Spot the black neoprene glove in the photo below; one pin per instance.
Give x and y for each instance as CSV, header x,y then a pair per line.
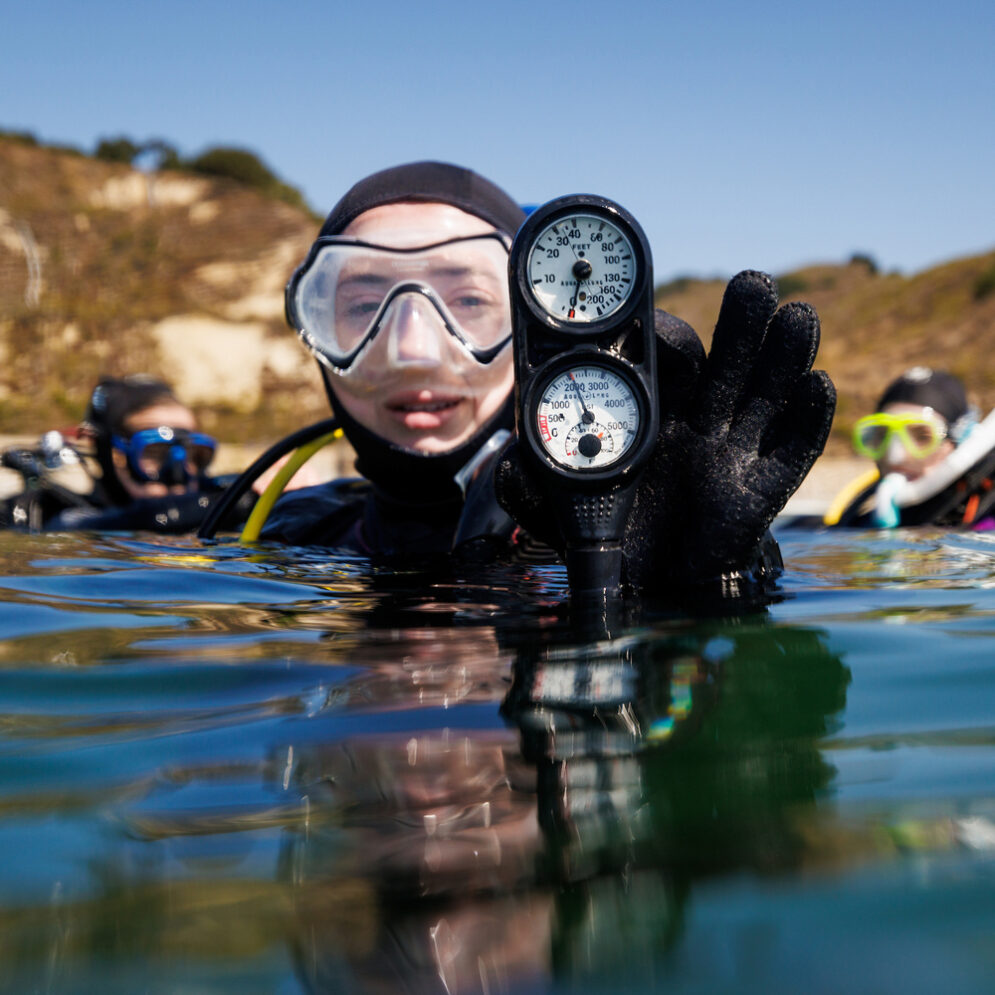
x,y
739,430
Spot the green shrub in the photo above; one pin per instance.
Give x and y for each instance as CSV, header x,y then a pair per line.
x,y
120,149
244,167
158,154
866,260
235,164
23,137
984,284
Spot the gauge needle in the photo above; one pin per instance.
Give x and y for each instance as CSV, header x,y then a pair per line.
x,y
587,417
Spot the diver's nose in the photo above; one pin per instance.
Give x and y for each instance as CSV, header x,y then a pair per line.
x,y
415,332
896,453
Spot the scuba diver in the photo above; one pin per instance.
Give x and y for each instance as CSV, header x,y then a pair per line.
x,y
934,461
151,461
403,299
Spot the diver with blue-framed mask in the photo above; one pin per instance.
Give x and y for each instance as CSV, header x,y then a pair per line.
x,y
141,464
403,299
934,460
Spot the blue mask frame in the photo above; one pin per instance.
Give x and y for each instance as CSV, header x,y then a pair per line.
x,y
179,449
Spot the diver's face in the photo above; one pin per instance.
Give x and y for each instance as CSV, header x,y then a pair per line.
x,y
168,413
897,458
427,406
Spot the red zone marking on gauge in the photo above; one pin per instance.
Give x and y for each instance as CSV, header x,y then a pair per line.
x,y
544,428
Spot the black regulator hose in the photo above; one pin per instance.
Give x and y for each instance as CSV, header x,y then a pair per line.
x,y
224,505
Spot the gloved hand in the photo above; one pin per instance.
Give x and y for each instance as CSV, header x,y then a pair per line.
x,y
739,430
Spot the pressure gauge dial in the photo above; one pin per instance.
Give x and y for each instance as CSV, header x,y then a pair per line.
x,y
581,268
587,417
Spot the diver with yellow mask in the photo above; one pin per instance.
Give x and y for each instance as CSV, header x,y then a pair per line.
x,y
934,460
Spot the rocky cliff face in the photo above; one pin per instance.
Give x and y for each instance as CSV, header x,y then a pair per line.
x,y
104,269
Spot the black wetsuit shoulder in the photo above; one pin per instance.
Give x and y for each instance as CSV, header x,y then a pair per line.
x,y
327,514
354,516
174,514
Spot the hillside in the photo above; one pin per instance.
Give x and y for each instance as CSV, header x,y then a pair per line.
x,y
104,269
876,325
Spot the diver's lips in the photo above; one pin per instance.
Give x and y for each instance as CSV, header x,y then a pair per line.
x,y
423,410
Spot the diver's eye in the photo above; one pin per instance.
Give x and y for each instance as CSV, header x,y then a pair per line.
x,y
362,308
469,301
922,434
359,313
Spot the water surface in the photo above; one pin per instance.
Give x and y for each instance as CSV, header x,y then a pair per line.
x,y
227,769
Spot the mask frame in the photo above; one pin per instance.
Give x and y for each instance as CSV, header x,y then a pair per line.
x,y
899,426
344,362
179,443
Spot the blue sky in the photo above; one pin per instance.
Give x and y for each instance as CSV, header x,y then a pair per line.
x,y
741,135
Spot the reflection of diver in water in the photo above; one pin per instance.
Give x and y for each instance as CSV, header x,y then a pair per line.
x,y
643,763
934,461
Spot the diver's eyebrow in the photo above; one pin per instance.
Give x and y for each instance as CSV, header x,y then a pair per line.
x,y
460,271
363,278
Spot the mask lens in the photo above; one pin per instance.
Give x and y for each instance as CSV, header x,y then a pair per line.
x,y
342,294
919,437
155,454
924,438
870,439
200,454
151,458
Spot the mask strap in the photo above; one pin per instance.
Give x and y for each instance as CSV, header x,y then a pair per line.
x,y
964,425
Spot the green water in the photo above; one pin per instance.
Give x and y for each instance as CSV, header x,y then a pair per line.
x,y
231,770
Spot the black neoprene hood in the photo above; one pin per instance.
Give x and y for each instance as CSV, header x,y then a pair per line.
x,y
935,389
114,399
427,182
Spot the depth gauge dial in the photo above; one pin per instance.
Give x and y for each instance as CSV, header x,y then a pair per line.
x,y
581,268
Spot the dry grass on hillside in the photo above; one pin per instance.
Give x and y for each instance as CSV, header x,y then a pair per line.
x,y
116,253
876,325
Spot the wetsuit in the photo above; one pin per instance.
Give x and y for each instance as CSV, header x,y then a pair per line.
x,y
358,516
355,516
44,506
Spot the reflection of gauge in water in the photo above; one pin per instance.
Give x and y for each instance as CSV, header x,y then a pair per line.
x,y
587,417
581,268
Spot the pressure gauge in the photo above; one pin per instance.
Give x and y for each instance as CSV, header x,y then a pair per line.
x,y
587,416
581,268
